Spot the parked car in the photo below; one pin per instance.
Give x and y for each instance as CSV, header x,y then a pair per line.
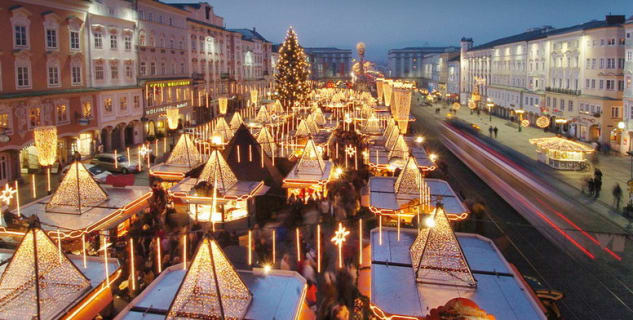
x,y
122,165
98,173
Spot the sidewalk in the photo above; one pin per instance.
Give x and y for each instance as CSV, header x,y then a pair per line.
x,y
615,168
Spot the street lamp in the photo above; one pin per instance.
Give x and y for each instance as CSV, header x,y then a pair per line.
x,y
520,113
172,122
490,105
559,123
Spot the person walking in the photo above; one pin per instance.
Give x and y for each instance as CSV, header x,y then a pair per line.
x,y
597,186
617,195
490,130
495,131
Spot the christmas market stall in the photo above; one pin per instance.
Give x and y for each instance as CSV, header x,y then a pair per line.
x,y
310,175
410,196
80,205
38,281
216,196
419,274
184,158
389,153
211,288
560,153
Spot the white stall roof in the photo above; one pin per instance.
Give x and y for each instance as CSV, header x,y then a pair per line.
x,y
276,295
499,290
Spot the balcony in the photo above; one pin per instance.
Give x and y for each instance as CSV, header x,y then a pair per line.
x,y
564,91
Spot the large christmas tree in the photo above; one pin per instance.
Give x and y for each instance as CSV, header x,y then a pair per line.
x,y
292,74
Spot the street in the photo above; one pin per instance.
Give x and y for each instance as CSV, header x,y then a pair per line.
x,y
526,247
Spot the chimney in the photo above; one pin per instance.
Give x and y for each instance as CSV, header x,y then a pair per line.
x,y
254,30
615,19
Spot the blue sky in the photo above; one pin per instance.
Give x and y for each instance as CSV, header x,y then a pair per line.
x,y
388,24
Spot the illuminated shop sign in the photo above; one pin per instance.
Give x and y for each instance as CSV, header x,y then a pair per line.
x,y
174,83
164,108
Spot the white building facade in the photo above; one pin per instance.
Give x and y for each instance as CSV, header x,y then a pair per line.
x,y
573,74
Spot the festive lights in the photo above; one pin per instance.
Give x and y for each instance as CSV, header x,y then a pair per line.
x,y
172,118
77,191
222,105
46,144
184,153
338,239
291,79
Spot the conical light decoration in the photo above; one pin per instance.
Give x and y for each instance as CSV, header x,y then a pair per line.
x,y
46,145
216,167
38,283
223,103
400,149
437,257
185,153
211,289
223,129
77,191
172,118
302,129
262,115
392,137
292,84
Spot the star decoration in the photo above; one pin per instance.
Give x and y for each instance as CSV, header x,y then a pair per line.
x,y
350,150
340,235
7,194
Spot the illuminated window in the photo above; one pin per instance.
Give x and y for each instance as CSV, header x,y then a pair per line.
x,y
137,102
86,109
61,112
4,121
107,105
123,103
34,117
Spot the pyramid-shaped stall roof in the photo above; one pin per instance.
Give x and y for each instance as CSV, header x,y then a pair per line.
x,y
310,161
262,115
250,167
216,167
223,129
392,137
39,282
303,130
236,121
77,192
400,149
185,153
410,179
267,142
437,257
211,289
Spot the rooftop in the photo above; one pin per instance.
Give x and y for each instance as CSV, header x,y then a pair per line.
x,y
500,290
250,34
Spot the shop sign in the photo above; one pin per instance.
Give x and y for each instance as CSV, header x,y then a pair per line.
x,y
164,108
172,83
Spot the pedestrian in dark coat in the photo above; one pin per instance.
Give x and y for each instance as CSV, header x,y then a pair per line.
x,y
495,131
490,130
617,195
597,187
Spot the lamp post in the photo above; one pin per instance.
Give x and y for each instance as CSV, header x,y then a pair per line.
x,y
490,105
520,113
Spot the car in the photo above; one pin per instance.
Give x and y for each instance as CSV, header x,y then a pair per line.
x,y
98,173
122,164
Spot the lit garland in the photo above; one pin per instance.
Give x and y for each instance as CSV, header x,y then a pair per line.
x,y
262,115
310,160
222,129
265,139
293,70
211,289
437,257
46,145
400,149
542,122
36,283
254,96
77,191
185,153
409,180
223,104
236,121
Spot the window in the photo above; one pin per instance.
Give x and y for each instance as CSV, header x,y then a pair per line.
x,y
193,44
61,112
128,71
128,42
113,41
34,117
593,83
620,85
53,76
615,112
114,71
601,84
98,40
182,68
86,110
99,72
152,68
163,69
141,70
588,64
570,106
620,63
610,85
137,102
74,40
123,103
628,82
23,76
75,74
107,105
593,63
601,63
51,39
20,36
629,55
562,105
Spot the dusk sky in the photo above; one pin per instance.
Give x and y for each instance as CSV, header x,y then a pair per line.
x,y
388,24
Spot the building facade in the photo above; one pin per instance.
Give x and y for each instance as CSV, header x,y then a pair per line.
x,y
112,38
44,81
627,137
421,64
329,63
573,75
452,82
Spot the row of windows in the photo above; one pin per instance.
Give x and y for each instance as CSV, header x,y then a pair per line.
x,y
604,84
100,70
605,63
53,75
143,71
51,41
108,104
114,41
